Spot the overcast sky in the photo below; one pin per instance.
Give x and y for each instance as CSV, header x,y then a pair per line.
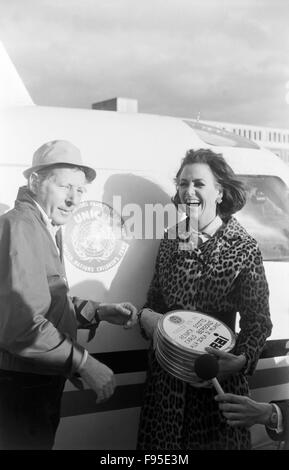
x,y
228,59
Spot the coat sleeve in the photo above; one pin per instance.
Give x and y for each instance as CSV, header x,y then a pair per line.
x,y
86,315
282,436
155,299
24,301
253,305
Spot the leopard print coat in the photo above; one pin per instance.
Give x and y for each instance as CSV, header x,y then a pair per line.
x,y
225,275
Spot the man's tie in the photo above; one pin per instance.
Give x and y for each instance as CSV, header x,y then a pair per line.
x,y
58,239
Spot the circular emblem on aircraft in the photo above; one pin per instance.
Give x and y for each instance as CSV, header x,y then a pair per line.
x,y
92,237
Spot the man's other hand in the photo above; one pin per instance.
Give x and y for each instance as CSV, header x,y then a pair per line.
x,y
99,378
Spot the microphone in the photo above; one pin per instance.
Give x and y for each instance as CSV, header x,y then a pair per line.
x,y
206,368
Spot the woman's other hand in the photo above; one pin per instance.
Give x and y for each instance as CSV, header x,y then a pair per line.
x,y
228,363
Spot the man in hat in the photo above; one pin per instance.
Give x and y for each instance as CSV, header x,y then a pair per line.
x,y
38,319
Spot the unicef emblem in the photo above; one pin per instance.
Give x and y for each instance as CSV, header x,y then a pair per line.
x,y
92,238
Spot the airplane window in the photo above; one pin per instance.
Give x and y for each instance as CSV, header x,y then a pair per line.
x,y
266,215
219,137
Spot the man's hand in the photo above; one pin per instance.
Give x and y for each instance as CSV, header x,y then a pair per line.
x,y
123,313
228,363
242,411
99,377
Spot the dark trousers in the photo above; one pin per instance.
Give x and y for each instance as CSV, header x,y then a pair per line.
x,y
29,410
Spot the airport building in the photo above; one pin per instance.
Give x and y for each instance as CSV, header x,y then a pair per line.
x,y
275,139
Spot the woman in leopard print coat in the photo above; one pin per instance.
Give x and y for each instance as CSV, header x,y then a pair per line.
x,y
221,276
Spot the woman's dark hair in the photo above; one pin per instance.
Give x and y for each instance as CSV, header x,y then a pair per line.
x,y
234,195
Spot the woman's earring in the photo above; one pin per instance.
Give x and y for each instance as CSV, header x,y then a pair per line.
x,y
219,199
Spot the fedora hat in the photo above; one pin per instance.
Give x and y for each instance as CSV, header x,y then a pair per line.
x,y
59,152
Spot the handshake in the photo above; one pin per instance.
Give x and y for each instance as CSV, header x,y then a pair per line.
x,y
118,314
97,375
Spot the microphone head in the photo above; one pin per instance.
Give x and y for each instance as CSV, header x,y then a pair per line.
x,y
206,366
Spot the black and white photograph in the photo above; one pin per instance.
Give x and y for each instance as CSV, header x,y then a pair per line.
x,y
144,227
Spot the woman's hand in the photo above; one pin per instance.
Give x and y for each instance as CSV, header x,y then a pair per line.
x,y
228,363
149,320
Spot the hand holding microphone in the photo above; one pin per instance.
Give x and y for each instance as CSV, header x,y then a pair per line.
x,y
207,368
228,363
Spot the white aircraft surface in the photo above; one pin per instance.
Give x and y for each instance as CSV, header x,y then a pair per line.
x,y
136,157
